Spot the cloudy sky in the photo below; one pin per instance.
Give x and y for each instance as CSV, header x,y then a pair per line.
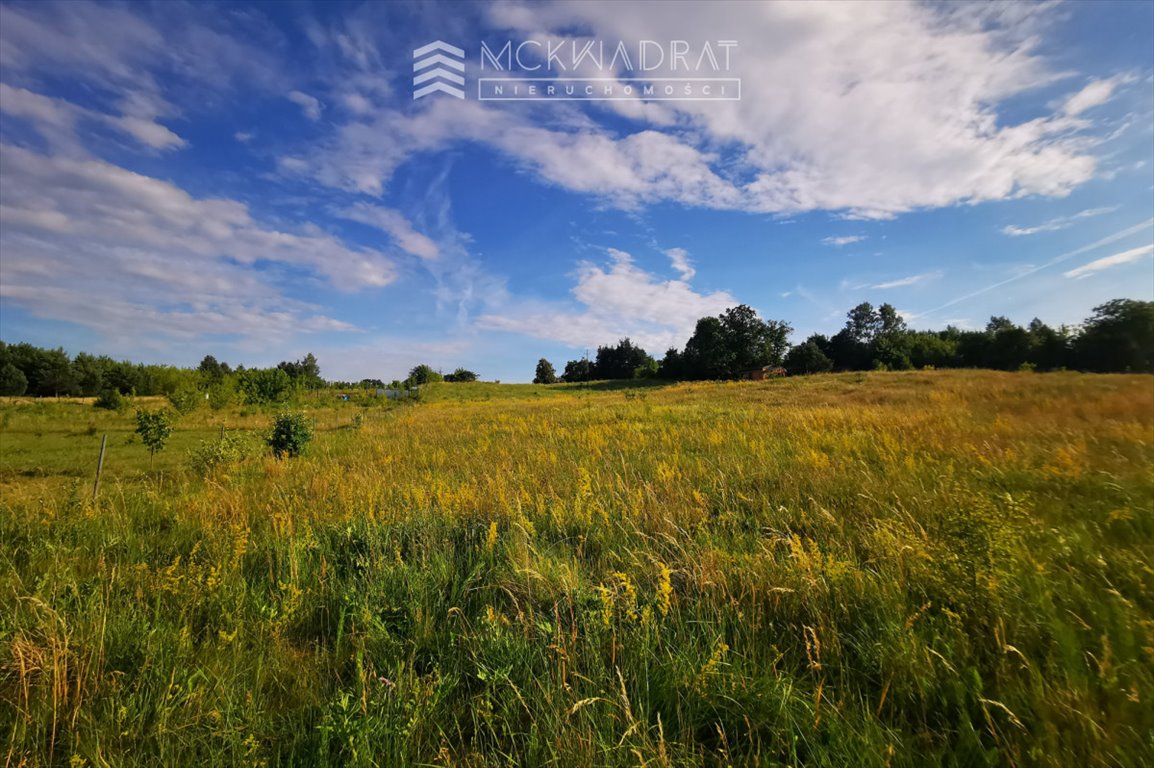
x,y
257,181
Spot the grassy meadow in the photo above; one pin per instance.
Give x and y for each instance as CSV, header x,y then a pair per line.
x,y
887,569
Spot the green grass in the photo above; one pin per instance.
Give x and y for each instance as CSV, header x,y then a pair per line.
x,y
486,390
946,568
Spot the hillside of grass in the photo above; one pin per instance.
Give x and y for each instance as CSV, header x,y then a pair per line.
x,y
879,569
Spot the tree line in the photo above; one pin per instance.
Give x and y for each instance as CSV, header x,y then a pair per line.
x,y
31,370
26,369
1117,337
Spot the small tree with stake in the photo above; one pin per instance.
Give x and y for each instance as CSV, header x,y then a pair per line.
x,y
154,428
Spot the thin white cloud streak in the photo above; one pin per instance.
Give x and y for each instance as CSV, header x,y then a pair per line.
x,y
1061,222
845,240
308,104
1057,260
679,259
905,281
1125,257
1095,94
56,119
395,225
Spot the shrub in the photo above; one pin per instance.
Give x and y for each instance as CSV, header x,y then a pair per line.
x,y
12,380
647,370
111,400
290,433
270,385
461,376
424,374
186,399
807,357
222,394
210,455
154,428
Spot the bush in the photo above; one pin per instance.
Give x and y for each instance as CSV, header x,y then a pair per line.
x,y
222,394
215,453
290,433
647,370
271,385
186,400
154,428
461,376
424,374
12,380
111,400
807,357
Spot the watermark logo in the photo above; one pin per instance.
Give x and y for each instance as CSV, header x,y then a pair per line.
x,y
438,67
583,70
608,70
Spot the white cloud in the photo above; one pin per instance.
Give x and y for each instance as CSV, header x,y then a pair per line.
x,y
679,258
148,132
91,242
1023,273
616,301
1096,93
141,58
642,168
908,114
1061,222
56,119
244,137
308,104
396,225
845,240
1125,257
905,281
357,103
905,116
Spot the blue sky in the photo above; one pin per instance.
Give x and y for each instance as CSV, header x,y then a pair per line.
x,y
256,181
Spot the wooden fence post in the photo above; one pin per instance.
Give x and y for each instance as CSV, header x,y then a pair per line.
x,y
99,466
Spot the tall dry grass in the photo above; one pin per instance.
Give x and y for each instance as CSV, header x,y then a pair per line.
x,y
870,569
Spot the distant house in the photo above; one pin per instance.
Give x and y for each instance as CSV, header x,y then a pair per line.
x,y
764,372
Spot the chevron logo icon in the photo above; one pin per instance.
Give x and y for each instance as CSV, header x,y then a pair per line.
x,y
438,67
